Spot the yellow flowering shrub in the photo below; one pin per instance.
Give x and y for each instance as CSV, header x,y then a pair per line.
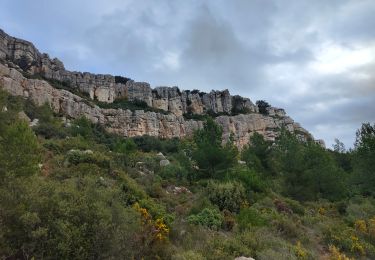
x,y
299,251
336,255
360,225
351,240
161,230
357,247
153,230
371,227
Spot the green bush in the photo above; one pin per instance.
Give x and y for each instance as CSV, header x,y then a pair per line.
x,y
75,157
93,133
250,179
49,131
66,221
210,218
287,227
131,192
52,146
256,153
125,146
188,255
295,206
263,106
248,218
170,171
229,195
224,247
359,208
150,143
19,151
124,103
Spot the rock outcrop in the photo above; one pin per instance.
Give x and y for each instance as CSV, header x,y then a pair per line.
x,y
21,62
106,88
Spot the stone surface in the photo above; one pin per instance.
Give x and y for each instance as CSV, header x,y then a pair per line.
x,y
321,143
104,88
35,122
238,116
161,156
138,123
164,163
177,190
23,116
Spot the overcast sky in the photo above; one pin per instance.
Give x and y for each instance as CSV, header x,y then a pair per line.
x,y
315,58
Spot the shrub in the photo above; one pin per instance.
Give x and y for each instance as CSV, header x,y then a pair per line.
x,y
125,146
130,191
224,247
50,217
230,195
19,151
172,171
249,217
336,255
360,208
76,157
125,104
249,178
120,79
148,143
199,117
24,62
51,145
295,206
188,255
210,218
156,210
262,105
49,131
288,227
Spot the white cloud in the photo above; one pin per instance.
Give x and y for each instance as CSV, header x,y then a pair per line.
x,y
169,61
332,58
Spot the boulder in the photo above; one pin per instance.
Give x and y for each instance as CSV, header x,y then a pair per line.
x,y
177,190
164,163
161,156
23,116
35,122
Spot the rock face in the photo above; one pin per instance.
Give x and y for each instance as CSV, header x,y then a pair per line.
x,y
106,88
123,122
238,116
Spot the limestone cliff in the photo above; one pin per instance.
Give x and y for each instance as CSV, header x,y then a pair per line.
x,y
20,61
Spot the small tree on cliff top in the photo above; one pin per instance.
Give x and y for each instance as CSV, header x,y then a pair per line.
x,y
263,105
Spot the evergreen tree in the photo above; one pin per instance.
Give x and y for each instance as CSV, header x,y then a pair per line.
x,y
364,155
19,151
213,158
256,153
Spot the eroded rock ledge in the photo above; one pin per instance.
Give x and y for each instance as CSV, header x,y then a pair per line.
x,y
19,57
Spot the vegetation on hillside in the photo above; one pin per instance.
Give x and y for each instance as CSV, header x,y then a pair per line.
x,y
74,191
